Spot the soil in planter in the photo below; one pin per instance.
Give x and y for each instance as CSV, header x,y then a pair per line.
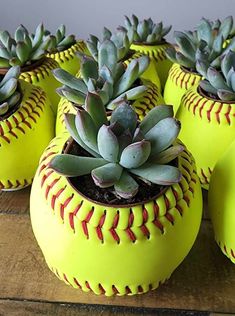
x,y
86,186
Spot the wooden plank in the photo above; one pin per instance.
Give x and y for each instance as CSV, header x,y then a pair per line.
x,y
24,308
205,280
15,202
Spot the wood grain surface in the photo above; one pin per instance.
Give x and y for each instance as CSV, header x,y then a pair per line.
x,y
205,281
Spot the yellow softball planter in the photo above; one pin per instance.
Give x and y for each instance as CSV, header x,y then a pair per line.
x,y
26,128
125,242
63,50
221,201
207,114
179,81
28,51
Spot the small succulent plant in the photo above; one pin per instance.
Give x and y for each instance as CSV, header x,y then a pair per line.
x,y
9,94
119,38
206,42
59,41
110,79
23,48
145,31
122,149
219,83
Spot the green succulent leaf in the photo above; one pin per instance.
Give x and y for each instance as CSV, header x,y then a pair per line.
x,y
22,52
69,80
184,61
226,95
107,55
14,99
94,106
206,86
89,69
4,107
71,127
154,116
216,79
8,89
13,72
72,95
109,148
87,129
125,115
135,154
74,166
126,187
186,47
158,174
107,175
228,61
163,134
226,27
204,31
168,155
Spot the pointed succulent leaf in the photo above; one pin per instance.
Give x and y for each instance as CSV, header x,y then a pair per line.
x,y
69,80
22,52
96,109
14,99
206,86
135,20
71,127
4,62
14,61
159,174
107,55
4,107
202,67
8,89
154,116
38,54
74,166
226,95
119,71
13,72
232,80
87,129
107,175
108,144
166,30
130,95
127,22
72,95
126,187
20,33
106,33
138,135
68,41
106,74
108,88
185,45
89,69
91,85
4,53
127,79
163,134
226,27
4,37
204,31
184,61
135,154
37,39
227,62
171,54
92,47
124,140
218,44
216,79
168,155
142,29
125,115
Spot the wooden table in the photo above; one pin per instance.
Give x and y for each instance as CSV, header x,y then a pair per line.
x,y
204,282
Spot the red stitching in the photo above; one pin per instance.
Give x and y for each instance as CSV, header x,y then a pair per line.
x,y
227,114
217,114
72,215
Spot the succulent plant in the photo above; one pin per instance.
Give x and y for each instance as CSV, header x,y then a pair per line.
x,y
110,79
23,48
205,43
9,94
145,31
219,83
59,41
122,150
119,38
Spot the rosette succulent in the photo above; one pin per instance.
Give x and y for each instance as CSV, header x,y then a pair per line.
x,y
120,39
121,152
145,31
219,83
9,91
23,48
60,41
205,42
107,77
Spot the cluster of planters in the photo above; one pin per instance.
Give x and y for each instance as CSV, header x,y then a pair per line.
x,y
116,199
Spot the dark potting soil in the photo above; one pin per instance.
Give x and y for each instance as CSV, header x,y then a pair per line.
x,y
86,186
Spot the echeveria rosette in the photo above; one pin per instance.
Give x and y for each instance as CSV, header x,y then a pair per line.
x,y
9,92
219,82
23,48
119,38
122,150
205,43
146,31
59,41
110,79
